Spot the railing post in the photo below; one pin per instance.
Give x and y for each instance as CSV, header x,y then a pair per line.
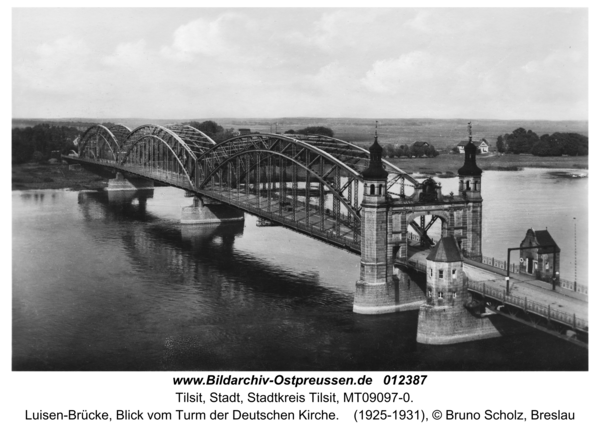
x,y
525,304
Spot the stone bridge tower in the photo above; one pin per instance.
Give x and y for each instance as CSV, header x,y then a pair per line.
x,y
469,186
375,290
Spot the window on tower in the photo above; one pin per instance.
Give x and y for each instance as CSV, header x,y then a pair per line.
x,y
372,189
441,273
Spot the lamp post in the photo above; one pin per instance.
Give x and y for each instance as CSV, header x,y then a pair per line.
x,y
575,237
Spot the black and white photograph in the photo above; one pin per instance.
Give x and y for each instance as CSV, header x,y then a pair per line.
x,y
263,189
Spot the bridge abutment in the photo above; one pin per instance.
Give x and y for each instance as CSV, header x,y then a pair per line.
x,y
444,319
208,211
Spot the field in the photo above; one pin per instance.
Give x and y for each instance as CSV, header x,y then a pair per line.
x,y
32,176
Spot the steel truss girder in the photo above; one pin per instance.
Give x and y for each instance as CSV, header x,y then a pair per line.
x,y
104,132
141,142
338,196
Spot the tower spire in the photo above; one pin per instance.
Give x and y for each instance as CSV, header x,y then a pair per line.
x,y
375,170
470,167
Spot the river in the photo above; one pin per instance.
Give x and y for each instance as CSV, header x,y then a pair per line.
x,y
115,285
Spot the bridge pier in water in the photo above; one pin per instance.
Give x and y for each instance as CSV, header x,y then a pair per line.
x,y
125,190
208,211
123,183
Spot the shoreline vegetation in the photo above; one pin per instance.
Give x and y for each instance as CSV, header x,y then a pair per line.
x,y
36,176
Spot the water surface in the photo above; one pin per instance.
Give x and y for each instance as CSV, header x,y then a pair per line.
x,y
103,284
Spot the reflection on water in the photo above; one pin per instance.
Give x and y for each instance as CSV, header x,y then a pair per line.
x,y
118,284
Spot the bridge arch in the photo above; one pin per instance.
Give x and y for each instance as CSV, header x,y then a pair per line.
x,y
156,157
323,166
185,145
100,143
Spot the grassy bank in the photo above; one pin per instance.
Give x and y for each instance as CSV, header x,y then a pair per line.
x,y
452,162
30,176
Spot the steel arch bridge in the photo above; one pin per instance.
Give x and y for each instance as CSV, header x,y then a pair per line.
x,y
312,184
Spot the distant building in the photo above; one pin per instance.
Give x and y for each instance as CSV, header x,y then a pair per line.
x,y
245,131
482,145
542,262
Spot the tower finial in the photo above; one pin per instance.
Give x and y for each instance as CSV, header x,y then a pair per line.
x,y
470,134
376,122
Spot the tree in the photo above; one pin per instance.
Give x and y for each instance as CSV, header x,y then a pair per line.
x,y
521,141
573,144
210,128
401,151
388,151
316,130
500,146
430,151
547,146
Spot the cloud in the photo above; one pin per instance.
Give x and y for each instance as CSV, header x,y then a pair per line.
x,y
229,38
402,73
54,67
130,53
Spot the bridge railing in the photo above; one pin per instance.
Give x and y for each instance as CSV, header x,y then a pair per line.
x,y
515,269
528,306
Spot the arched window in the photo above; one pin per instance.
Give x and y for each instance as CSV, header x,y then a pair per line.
x,y
475,185
468,186
372,189
380,189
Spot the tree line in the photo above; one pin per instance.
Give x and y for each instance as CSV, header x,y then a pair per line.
x,y
417,149
312,130
41,142
557,144
213,130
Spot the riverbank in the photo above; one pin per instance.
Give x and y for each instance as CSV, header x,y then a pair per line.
x,y
452,162
30,176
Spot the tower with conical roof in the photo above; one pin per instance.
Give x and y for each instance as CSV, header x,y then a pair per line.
x,y
469,187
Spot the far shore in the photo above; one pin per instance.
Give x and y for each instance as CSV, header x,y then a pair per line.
x,y
446,163
35,176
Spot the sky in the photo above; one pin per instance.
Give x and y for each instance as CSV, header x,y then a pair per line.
x,y
496,63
